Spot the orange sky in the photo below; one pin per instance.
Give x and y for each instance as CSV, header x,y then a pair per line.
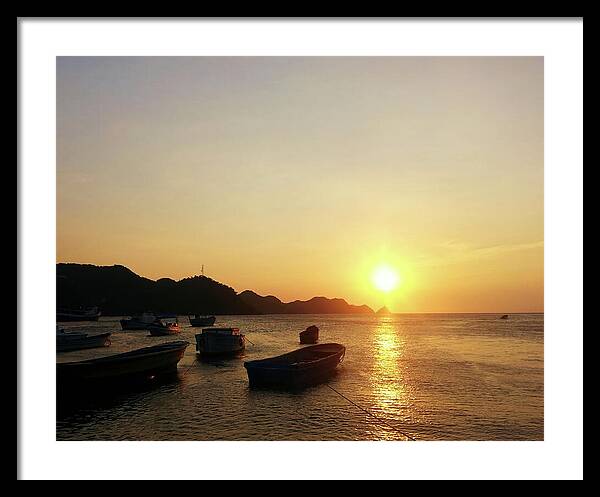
x,y
299,176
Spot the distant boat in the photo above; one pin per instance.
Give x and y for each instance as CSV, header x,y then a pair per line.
x,y
89,314
504,316
198,320
220,342
298,369
309,335
68,341
142,363
139,322
164,326
166,315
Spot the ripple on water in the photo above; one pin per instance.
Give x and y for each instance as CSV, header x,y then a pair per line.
x,y
436,377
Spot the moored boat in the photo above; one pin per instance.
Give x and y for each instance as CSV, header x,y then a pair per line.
x,y
144,363
138,322
198,320
298,369
166,315
164,326
309,335
88,314
68,341
220,342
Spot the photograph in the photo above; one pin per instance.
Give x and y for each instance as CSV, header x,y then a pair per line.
x,y
300,248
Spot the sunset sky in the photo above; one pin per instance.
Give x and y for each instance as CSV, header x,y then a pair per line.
x,y
299,177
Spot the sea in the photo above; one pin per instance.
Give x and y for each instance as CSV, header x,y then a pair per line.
x,y
404,377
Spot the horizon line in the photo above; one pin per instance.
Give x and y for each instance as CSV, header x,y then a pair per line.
x,y
315,296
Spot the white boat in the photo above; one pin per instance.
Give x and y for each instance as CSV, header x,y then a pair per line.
x,y
220,342
139,322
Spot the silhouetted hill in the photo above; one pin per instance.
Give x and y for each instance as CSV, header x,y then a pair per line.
x,y
322,305
383,311
263,305
119,291
316,305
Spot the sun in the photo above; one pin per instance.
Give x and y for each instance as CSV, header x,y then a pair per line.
x,y
385,278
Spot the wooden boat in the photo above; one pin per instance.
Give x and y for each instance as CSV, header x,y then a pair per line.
x,y
220,342
144,363
89,314
298,369
198,321
310,335
138,322
78,341
162,327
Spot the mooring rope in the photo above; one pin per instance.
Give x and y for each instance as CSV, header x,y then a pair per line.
x,y
410,437
371,414
190,366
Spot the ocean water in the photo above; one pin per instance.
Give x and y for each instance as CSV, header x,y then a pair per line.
x,y
420,376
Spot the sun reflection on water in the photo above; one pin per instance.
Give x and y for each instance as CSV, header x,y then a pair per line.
x,y
388,376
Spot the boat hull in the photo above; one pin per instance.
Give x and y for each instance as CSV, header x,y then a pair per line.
x,y
309,338
138,364
219,345
205,321
66,343
133,324
158,331
292,371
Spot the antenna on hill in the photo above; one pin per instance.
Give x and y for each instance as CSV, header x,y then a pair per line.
x,y
202,270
